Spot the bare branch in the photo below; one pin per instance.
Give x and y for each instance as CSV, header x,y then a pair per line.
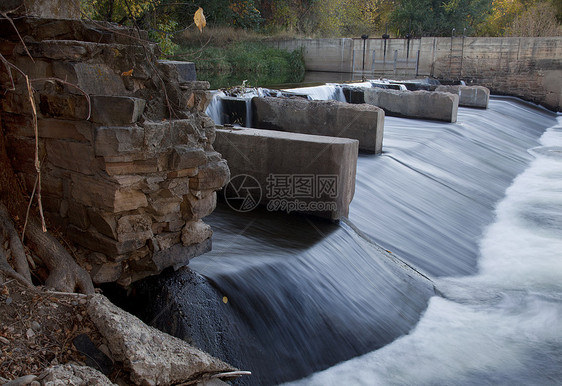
x,y
4,14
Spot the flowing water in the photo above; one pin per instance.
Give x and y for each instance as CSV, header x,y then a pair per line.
x,y
431,211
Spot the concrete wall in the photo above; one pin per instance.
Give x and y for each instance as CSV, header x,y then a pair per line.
x,y
530,68
293,171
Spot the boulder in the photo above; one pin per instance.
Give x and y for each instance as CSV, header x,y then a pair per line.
x,y
151,356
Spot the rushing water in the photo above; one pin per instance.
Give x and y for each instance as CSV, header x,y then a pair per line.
x,y
502,325
313,294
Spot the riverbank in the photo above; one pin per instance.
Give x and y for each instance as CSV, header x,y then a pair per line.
x,y
227,58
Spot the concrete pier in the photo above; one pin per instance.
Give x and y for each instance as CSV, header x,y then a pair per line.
x,y
469,96
289,172
329,118
442,106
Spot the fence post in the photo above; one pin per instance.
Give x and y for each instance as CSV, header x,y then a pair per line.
x,y
395,60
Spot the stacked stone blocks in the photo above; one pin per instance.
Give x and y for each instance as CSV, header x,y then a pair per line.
x,y
129,174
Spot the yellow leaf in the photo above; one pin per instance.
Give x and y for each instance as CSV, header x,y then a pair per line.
x,y
199,19
127,73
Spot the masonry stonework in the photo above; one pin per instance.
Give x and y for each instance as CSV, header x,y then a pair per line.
x,y
128,167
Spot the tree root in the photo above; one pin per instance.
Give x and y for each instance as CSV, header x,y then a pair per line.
x,y
18,252
64,273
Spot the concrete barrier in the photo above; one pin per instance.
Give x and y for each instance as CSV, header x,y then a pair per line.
x,y
289,172
469,96
440,106
329,118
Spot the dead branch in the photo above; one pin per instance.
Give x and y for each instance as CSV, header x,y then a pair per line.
x,y
5,15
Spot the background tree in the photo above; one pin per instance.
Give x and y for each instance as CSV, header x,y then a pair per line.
x,y
437,17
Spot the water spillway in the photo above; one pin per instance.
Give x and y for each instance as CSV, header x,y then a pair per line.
x,y
299,295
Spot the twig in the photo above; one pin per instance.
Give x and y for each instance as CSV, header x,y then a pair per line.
x,y
37,162
4,14
7,65
231,374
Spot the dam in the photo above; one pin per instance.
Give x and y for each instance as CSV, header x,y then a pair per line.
x,y
447,269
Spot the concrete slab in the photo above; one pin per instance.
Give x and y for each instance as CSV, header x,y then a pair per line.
x,y
440,106
329,118
469,96
289,172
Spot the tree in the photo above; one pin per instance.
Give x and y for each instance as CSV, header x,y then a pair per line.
x,y
538,20
437,17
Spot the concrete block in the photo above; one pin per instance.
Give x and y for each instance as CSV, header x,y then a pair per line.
x,y
469,96
441,106
328,118
116,110
315,173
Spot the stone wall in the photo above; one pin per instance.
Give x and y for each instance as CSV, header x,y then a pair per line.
x,y
530,68
129,181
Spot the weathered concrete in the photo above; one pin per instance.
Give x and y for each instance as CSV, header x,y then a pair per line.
x,y
469,96
440,106
329,118
151,356
530,68
304,162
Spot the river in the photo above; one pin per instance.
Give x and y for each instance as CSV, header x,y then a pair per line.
x,y
448,271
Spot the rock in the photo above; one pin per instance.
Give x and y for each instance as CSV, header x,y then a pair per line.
x,y
21,381
92,78
94,357
151,356
195,232
119,141
134,227
185,70
106,273
186,157
116,110
71,374
211,176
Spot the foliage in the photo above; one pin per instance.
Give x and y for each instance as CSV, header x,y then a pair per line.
x,y
437,17
523,18
538,20
255,61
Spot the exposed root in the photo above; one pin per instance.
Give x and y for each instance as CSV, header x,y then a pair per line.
x,y
64,273
16,247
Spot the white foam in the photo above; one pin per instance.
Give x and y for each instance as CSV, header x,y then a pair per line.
x,y
502,326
